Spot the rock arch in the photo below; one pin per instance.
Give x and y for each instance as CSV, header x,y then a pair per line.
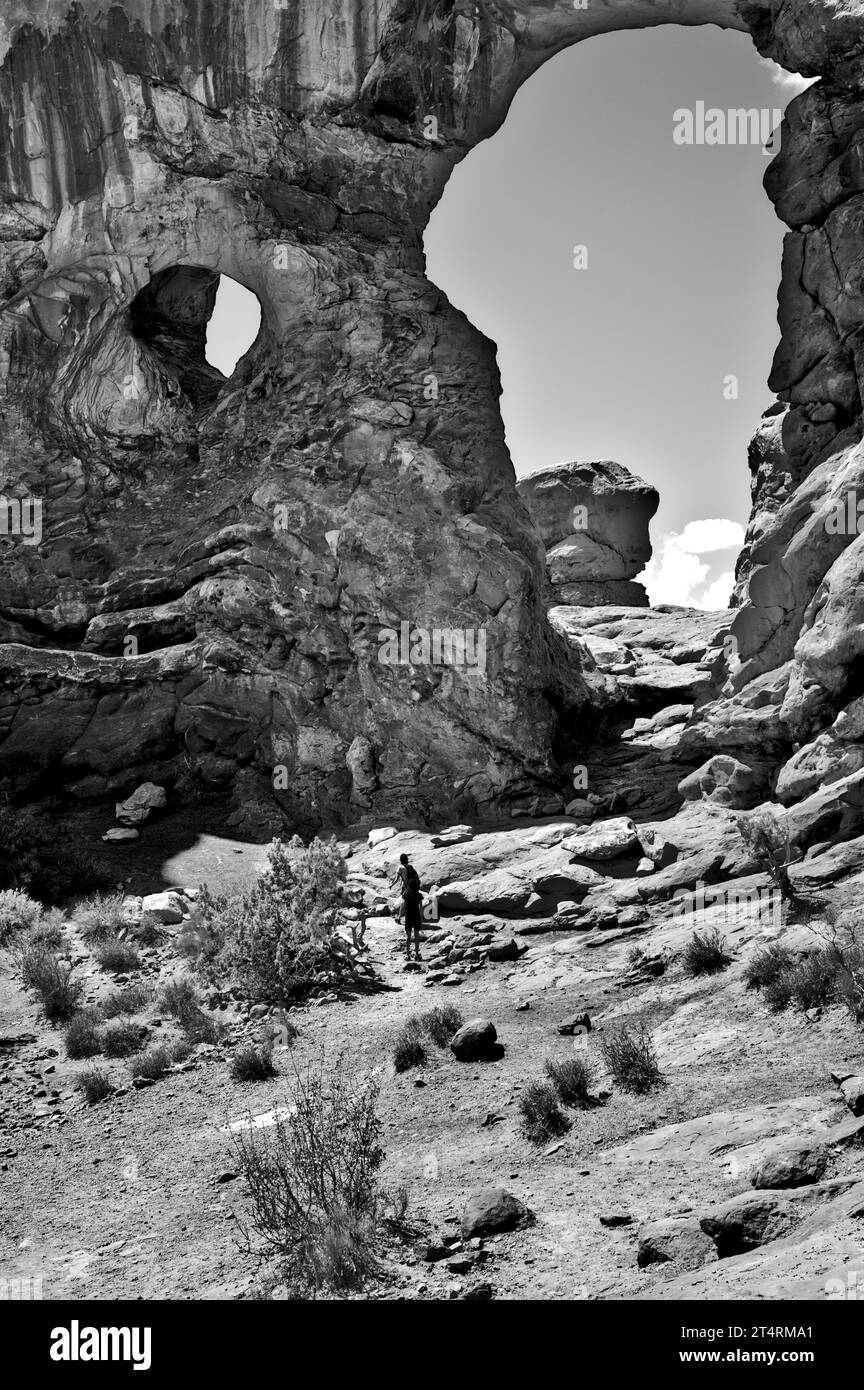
x,y
360,478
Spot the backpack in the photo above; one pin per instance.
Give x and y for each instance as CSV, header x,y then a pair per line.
x,y
411,887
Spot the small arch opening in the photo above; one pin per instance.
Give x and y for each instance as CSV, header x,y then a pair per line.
x,y
198,324
233,326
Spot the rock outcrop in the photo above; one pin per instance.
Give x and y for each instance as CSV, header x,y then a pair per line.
x,y
222,568
593,519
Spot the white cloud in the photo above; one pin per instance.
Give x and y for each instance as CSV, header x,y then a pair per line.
x,y
713,533
791,81
676,574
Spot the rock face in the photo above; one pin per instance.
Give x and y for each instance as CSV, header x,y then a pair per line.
x,y
593,519
240,582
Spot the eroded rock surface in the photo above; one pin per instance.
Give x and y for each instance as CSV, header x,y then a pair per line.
x,y
593,518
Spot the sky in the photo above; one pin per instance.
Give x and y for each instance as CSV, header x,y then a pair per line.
x,y
629,357
626,359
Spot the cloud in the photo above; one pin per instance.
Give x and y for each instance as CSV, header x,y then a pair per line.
x,y
792,82
676,574
714,533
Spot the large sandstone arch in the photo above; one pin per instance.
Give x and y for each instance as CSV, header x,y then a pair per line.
x,y
286,147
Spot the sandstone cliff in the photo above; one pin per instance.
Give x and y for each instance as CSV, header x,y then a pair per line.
x,y
219,559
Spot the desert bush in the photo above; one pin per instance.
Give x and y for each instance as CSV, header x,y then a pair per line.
x,y
149,930
118,956
813,982
121,1040
18,912
50,931
197,1026
153,1062
47,975
572,1080
541,1115
100,917
312,1180
706,954
253,1063
408,1049
129,1000
274,938
766,965
629,1054
178,995
441,1024
180,1050
82,1035
95,1084
777,991
765,833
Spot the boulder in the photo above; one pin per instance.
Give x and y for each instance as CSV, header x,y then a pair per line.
x,y
853,1094
491,1210
791,1165
377,837
723,780
578,1023
476,1040
136,808
606,839
675,1239
506,949
168,908
119,834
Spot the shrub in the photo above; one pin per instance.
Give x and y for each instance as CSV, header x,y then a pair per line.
x,y
813,982
312,1178
629,1054
118,956
542,1116
275,938
442,1024
82,1035
572,1080
251,1063
121,1040
100,917
765,833
766,965
408,1049
130,1000
95,1084
777,991
153,1062
18,912
177,995
50,931
51,978
149,931
197,1026
180,1050
706,955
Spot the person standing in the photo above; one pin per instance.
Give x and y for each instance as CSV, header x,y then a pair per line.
x,y
409,884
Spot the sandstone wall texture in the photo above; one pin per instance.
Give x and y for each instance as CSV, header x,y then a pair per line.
x,y
218,560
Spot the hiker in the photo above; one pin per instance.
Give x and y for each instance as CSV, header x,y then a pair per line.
x,y
409,881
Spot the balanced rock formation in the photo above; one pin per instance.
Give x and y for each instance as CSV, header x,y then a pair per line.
x,y
593,519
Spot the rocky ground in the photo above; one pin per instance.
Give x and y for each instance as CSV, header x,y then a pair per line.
x,y
645,1196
